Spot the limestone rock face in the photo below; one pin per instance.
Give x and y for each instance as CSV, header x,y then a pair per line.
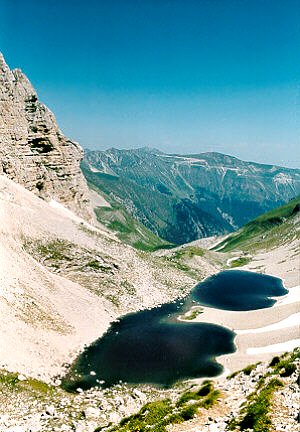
x,y
33,151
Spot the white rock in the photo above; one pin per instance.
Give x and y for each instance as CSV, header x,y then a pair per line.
x,y
50,410
114,417
17,429
139,394
91,412
21,377
213,427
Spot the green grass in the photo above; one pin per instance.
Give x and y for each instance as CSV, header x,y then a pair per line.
x,y
10,381
152,414
266,231
240,262
256,413
93,264
181,257
284,367
205,390
211,399
248,369
157,415
192,315
188,252
56,250
128,229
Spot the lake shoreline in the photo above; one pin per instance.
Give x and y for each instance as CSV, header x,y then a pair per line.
x,y
146,354
252,345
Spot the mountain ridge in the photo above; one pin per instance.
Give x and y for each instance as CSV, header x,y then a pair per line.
x,y
190,196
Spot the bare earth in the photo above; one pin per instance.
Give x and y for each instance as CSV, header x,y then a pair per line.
x,y
47,317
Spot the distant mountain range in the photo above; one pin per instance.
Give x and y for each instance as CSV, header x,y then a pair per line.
x,y
184,197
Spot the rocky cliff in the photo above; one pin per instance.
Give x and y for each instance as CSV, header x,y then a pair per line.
x,y
33,151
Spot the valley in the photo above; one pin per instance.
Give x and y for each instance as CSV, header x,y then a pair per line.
x,y
183,198
145,229
67,280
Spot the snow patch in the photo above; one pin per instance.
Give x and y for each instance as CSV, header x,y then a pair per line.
x,y
57,205
282,178
280,347
291,321
293,296
93,169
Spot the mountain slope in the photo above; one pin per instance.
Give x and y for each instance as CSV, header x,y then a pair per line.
x,y
273,229
128,229
182,198
63,281
171,218
33,150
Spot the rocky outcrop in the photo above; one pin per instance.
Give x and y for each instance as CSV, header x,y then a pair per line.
x,y
33,150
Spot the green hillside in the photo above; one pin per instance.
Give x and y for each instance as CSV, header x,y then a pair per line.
x,y
175,220
126,228
182,198
269,230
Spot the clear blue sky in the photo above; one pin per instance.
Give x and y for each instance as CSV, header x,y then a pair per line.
x,y
183,76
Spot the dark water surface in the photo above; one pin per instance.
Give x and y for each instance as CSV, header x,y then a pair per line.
x,y
152,346
238,291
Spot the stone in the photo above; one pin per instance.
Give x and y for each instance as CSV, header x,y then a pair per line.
x,y
91,412
21,377
50,410
140,395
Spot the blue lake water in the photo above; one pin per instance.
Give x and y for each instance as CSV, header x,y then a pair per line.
x,y
238,291
152,346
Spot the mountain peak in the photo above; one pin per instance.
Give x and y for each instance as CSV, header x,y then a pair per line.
x,y
33,150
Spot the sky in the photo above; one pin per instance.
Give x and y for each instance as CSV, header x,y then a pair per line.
x,y
183,76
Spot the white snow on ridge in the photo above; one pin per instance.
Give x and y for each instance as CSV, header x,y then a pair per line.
x,y
282,178
205,164
183,158
57,205
93,169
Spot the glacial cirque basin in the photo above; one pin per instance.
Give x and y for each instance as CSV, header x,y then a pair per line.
x,y
152,346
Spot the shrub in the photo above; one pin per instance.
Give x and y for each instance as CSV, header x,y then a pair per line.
x,y
205,389
256,416
289,369
188,412
275,360
247,370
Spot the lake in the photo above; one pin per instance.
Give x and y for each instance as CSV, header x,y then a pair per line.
x,y
152,346
238,291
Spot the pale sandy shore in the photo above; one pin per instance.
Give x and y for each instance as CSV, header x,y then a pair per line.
x,y
263,333
260,334
291,321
